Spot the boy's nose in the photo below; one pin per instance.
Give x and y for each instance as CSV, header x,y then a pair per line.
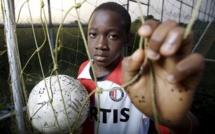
x,y
101,44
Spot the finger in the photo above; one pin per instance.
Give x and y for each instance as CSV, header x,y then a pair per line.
x,y
173,41
175,44
131,65
183,48
158,37
192,65
147,28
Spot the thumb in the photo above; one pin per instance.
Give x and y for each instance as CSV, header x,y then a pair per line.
x,y
131,65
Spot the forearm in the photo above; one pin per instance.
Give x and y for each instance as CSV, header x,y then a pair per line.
x,y
189,125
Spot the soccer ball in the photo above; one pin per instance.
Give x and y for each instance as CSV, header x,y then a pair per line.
x,y
54,105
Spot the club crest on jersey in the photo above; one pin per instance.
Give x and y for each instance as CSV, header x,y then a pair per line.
x,y
116,94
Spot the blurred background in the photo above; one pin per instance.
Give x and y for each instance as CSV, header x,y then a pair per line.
x,y
46,33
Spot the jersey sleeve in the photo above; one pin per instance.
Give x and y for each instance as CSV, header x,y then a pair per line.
x,y
163,129
82,67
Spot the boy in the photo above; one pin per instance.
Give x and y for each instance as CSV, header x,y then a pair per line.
x,y
129,110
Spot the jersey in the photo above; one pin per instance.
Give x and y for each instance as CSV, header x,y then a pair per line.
x,y
118,115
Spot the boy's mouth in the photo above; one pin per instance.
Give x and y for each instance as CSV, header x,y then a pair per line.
x,y
100,58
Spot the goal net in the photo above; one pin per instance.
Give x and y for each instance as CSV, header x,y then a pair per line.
x,y
49,36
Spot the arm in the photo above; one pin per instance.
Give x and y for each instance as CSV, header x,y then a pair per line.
x,y
190,124
176,74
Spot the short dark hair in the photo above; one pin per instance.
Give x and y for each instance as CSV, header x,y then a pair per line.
x,y
115,7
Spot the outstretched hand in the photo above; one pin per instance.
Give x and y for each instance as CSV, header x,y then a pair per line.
x,y
176,71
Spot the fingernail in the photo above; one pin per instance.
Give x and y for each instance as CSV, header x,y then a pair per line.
x,y
152,54
145,30
169,46
171,78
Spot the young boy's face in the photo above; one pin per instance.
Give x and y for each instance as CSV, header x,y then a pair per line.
x,y
106,37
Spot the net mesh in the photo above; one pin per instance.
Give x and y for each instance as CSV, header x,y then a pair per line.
x,y
49,39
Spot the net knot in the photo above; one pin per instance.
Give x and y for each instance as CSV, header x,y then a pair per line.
x,y
99,90
21,72
42,4
58,49
77,5
38,49
55,67
51,100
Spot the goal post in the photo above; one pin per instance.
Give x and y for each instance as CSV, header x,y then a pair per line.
x,y
13,57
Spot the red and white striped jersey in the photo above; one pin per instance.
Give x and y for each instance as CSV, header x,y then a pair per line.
x,y
117,114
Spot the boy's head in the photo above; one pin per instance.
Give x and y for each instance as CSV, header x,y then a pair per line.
x,y
119,9
108,33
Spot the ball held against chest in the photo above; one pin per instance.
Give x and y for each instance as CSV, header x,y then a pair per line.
x,y
55,103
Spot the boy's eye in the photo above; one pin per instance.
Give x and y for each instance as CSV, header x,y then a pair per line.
x,y
113,37
92,35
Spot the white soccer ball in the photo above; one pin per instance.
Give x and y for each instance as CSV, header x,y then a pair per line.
x,y
54,104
